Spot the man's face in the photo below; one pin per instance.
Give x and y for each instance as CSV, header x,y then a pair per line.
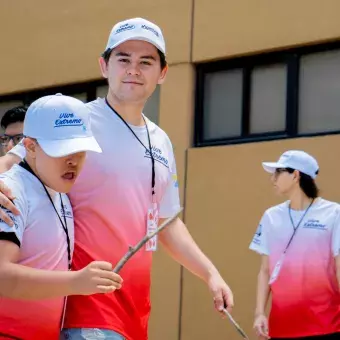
x,y
133,71
15,131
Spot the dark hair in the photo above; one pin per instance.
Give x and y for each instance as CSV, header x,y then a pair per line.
x,y
106,56
307,184
14,115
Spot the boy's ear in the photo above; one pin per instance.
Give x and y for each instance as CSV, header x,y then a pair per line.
x,y
30,146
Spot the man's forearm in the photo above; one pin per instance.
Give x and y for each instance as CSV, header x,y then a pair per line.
x,y
180,245
21,282
7,161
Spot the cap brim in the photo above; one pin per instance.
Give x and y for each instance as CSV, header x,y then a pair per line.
x,y
271,166
66,147
142,38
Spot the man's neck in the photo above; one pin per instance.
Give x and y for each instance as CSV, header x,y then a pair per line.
x,y
131,113
299,201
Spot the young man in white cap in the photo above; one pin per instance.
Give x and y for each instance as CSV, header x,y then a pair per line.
x,y
35,255
135,175
299,241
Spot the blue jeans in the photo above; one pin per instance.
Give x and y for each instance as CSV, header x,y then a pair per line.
x,y
89,334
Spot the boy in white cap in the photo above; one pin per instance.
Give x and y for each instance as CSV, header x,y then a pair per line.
x,y
134,178
299,241
35,255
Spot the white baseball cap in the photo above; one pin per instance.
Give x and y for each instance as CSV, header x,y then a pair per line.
x,y
61,125
136,29
297,160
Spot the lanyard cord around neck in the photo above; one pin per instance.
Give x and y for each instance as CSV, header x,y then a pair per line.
x,y
153,173
292,222
25,165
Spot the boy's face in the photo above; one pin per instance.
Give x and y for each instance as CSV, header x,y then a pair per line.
x,y
58,174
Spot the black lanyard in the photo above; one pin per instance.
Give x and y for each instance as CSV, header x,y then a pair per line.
x,y
25,165
153,173
295,228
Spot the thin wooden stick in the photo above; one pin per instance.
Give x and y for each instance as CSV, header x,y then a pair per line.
x,y
239,329
146,238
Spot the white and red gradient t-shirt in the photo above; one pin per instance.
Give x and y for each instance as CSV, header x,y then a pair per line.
x,y
43,245
305,295
110,202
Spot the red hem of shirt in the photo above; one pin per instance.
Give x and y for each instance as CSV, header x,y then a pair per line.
x,y
302,335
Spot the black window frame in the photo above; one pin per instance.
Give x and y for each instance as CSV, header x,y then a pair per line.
x,y
291,58
28,96
88,88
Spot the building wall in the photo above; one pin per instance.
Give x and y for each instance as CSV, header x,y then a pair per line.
x,y
223,188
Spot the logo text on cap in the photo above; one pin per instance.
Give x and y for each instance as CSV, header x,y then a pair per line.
x,y
125,27
148,28
68,119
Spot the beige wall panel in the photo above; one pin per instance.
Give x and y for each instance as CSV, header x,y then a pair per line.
x,y
55,42
176,116
227,193
230,27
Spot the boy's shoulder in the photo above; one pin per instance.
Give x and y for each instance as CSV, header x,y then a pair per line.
x,y
15,180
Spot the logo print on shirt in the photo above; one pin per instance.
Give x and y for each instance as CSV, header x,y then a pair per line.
x,y
12,217
68,119
157,155
68,213
314,224
257,235
175,180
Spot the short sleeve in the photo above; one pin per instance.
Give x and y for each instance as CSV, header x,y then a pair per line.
x,y
19,220
336,234
19,150
259,242
170,202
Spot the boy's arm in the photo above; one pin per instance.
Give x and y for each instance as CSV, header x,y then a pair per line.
x,y
23,282
7,161
20,282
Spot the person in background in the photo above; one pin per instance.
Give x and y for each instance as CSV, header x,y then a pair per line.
x,y
12,123
299,241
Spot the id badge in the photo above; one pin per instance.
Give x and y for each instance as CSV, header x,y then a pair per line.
x,y
152,225
276,270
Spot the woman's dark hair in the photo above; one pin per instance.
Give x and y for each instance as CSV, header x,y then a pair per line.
x,y
307,184
106,55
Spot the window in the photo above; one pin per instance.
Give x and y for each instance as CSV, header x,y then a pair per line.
x,y
223,101
283,94
268,99
151,109
85,92
319,93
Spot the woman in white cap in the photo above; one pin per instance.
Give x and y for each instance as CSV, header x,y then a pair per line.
x,y
35,255
299,241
